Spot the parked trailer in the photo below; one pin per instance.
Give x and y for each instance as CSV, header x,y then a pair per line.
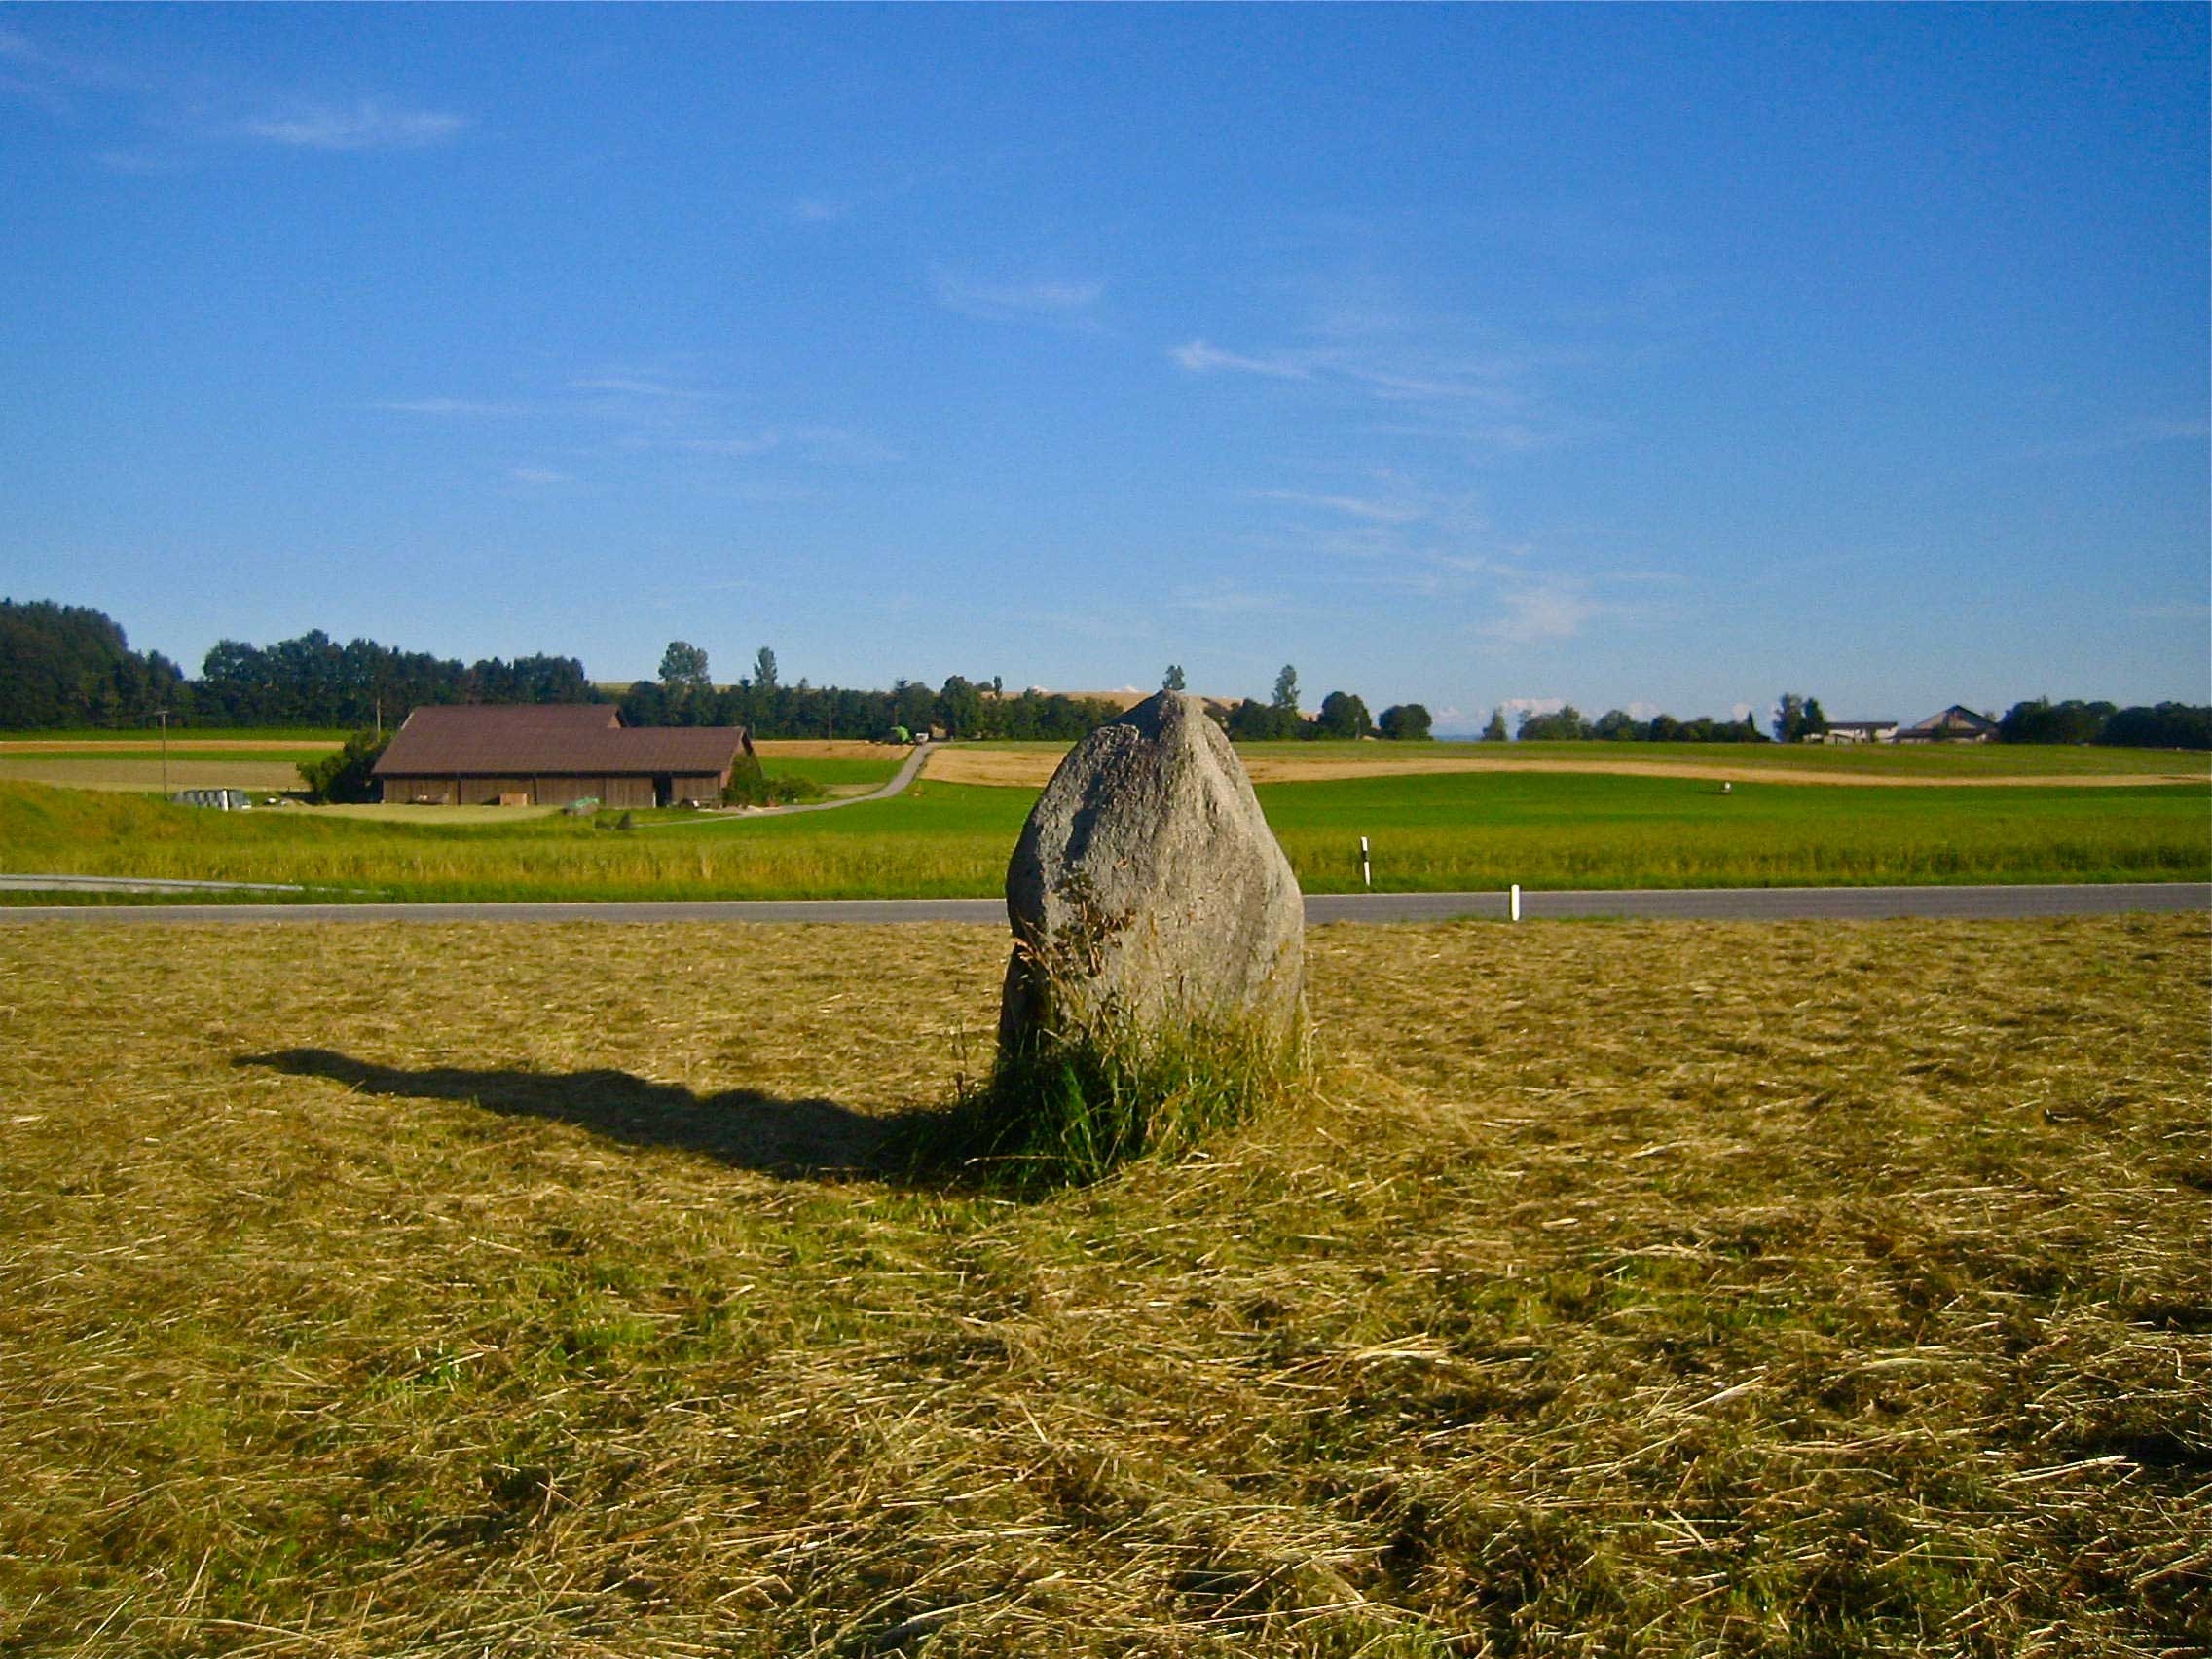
x,y
221,800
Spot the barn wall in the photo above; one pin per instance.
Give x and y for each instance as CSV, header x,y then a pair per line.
x,y
398,792
625,790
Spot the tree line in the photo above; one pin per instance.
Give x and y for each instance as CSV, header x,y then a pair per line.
x,y
2160,725
1616,726
66,665
685,694
2163,726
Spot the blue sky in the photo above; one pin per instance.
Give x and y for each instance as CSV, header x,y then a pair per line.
x,y
1642,357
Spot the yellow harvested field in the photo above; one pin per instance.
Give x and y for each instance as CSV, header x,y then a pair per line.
x,y
144,772
824,748
1032,769
153,745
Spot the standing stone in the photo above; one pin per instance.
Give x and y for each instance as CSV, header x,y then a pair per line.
x,y
1147,889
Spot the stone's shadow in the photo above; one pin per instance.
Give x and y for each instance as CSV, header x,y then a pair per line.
x,y
742,1127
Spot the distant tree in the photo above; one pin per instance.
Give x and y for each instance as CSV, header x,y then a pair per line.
x,y
1495,733
1404,722
1286,689
1616,726
763,669
913,705
1797,719
683,668
645,704
1174,680
960,708
1343,715
2042,721
68,664
1253,721
1566,725
346,775
2167,726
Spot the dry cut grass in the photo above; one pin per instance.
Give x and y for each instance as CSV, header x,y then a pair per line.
x,y
1626,1289
141,773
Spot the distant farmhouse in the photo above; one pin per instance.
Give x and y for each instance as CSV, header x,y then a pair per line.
x,y
551,754
1955,724
1859,731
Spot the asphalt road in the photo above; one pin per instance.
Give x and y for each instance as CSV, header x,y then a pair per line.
x,y
1705,904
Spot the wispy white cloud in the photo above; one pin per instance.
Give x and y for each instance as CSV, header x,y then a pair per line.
x,y
2125,435
536,475
1542,614
139,164
1065,303
1394,371
366,124
820,209
758,444
1224,599
821,443
52,79
639,385
1201,358
456,406
194,114
1353,506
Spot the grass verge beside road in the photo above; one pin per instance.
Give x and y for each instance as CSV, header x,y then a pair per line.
x,y
942,840
1669,1289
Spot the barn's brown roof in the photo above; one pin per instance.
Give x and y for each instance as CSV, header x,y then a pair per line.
x,y
550,739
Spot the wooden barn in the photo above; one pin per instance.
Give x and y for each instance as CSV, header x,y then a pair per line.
x,y
551,754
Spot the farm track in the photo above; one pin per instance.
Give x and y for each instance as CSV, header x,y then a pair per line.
x,y
909,769
1738,905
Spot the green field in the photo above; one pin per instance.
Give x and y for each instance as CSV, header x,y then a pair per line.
x,y
834,771
1673,1291
1434,832
320,737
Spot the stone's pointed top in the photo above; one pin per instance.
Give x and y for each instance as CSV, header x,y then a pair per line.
x,y
1147,887
1162,709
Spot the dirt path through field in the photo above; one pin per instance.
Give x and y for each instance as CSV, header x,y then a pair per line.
x,y
1031,770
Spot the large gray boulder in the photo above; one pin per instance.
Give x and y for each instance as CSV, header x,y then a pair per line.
x,y
1147,890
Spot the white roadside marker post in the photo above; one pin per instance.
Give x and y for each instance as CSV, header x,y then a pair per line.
x,y
1366,876
1513,904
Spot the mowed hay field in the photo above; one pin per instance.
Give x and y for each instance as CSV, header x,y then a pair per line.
x,y
1626,1289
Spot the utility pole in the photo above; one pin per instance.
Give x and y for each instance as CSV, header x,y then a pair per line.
x,y
165,714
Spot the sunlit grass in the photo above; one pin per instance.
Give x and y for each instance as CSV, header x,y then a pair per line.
x,y
1650,1288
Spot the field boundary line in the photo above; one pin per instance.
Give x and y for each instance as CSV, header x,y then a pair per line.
x,y
1689,904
